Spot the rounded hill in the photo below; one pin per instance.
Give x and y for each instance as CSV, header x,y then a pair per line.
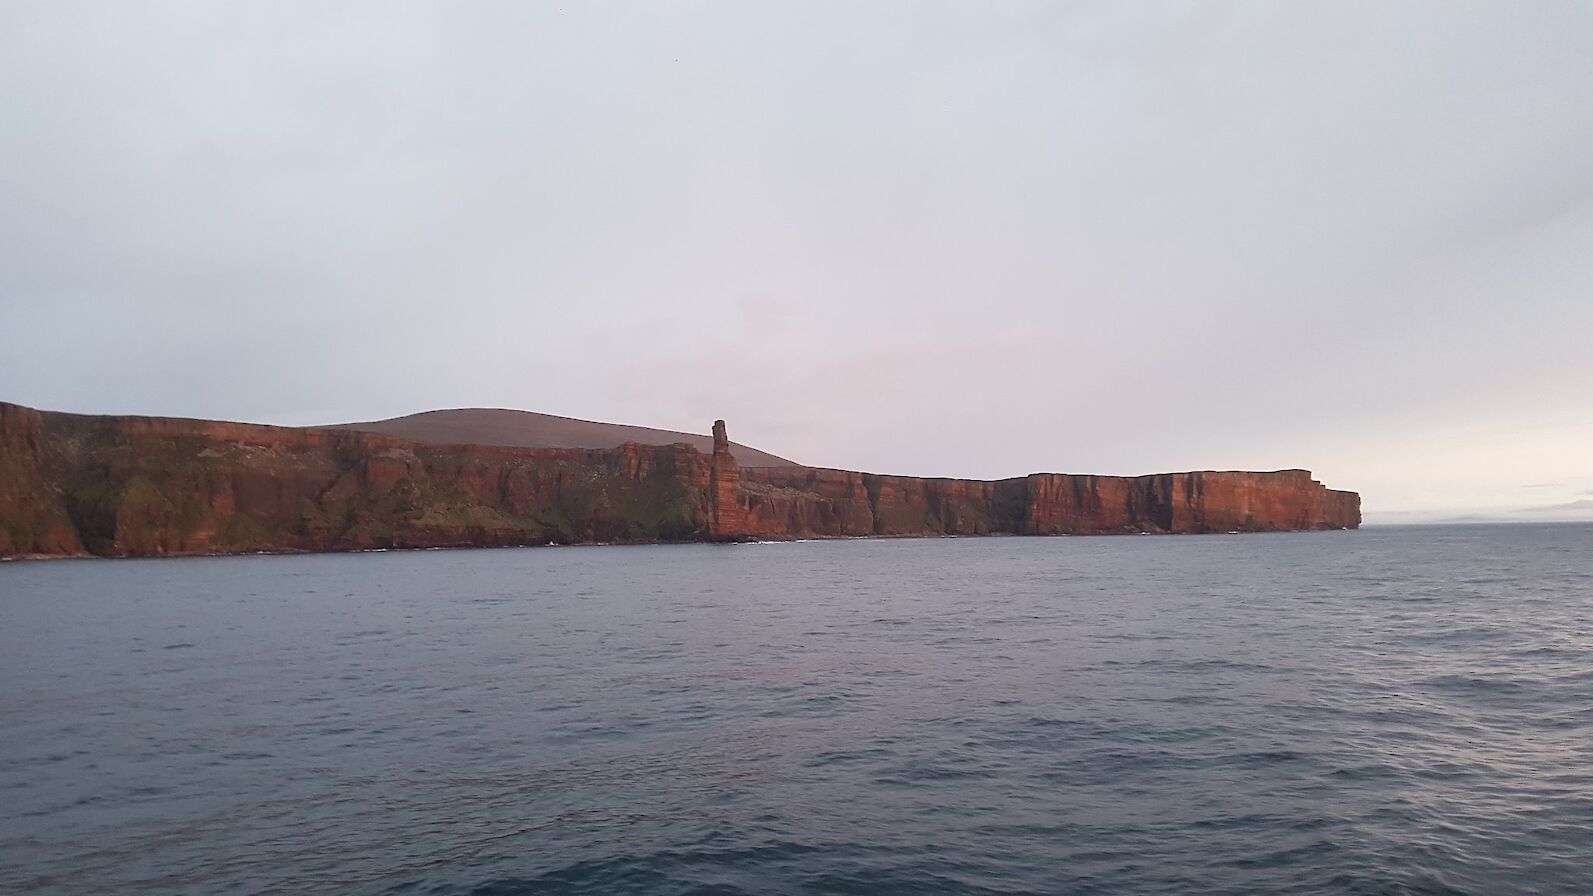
x,y
526,429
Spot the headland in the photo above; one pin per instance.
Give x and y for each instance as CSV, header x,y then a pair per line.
x,y
122,486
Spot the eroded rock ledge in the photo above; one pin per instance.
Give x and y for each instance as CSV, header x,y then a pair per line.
x,y
74,485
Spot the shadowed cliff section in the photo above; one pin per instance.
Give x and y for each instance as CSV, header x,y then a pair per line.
x,y
524,429
76,485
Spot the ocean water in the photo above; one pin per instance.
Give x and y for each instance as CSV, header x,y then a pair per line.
x,y
1394,710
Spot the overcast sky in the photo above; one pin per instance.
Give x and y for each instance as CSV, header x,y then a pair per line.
x,y
970,239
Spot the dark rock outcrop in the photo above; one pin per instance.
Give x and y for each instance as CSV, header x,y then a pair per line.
x,y
142,486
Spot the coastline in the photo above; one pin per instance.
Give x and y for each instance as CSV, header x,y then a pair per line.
x,y
76,485
408,549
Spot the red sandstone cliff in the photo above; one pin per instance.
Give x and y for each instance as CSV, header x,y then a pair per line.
x,y
141,486
802,502
726,521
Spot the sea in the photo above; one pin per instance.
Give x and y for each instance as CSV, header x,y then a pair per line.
x,y
1396,710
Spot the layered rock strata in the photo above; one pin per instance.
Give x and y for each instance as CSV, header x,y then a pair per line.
x,y
73,485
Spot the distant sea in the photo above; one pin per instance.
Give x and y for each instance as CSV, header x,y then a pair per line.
x,y
1396,710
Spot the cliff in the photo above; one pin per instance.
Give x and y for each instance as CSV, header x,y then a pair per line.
x,y
142,486
809,502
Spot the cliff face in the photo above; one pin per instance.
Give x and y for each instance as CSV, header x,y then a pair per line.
x,y
806,502
33,517
136,486
139,486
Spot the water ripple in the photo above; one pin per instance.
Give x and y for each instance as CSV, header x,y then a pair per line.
x,y
1392,711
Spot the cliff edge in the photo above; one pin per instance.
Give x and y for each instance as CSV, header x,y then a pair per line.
x,y
77,485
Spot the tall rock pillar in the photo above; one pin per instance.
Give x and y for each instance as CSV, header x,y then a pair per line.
x,y
725,519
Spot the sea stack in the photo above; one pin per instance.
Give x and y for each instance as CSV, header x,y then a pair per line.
x,y
726,522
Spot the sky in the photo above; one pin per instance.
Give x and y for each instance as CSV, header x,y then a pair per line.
x,y
972,239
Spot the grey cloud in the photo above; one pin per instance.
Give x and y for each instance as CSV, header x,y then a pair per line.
x,y
931,238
